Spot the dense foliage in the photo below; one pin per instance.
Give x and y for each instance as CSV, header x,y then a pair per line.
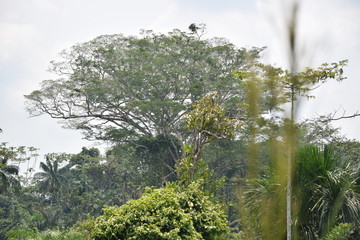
x,y
198,147
326,193
119,87
167,213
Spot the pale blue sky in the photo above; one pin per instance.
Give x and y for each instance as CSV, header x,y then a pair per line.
x,y
33,32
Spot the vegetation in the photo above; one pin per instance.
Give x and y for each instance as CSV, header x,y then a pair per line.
x,y
193,154
7,172
166,213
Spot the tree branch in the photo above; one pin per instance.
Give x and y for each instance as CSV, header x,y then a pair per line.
x,y
333,116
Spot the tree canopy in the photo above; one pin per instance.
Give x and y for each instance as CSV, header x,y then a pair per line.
x,y
117,87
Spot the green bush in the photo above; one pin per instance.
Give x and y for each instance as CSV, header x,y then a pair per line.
x,y
341,232
21,233
29,234
171,213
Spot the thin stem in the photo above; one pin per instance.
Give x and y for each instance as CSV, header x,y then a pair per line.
x,y
292,27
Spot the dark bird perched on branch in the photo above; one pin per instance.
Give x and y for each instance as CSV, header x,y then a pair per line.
x,y
193,28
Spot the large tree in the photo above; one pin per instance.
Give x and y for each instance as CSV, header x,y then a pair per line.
x,y
118,87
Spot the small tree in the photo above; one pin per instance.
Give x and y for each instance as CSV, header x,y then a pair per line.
x,y
208,122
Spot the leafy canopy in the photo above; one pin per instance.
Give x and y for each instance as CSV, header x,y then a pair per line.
x,y
118,87
166,213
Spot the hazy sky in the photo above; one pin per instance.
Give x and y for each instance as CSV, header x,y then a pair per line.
x,y
33,32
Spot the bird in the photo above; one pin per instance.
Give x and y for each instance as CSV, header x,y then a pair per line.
x,y
193,27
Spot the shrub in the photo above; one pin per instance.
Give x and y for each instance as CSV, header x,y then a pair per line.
x,y
341,232
172,213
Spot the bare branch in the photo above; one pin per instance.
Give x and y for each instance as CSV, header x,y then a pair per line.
x,y
335,116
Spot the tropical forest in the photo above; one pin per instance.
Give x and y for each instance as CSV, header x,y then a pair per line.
x,y
204,141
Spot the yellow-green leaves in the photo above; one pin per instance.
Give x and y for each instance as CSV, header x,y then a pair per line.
x,y
208,118
208,122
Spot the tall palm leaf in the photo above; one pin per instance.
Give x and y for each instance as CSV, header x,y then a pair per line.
x,y
52,179
7,173
326,191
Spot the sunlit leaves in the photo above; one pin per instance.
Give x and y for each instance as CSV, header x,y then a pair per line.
x,y
208,122
169,213
208,118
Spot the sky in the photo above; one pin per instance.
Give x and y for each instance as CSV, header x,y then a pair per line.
x,y
33,32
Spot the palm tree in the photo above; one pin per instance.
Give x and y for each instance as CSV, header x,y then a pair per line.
x,y
326,191
52,180
7,172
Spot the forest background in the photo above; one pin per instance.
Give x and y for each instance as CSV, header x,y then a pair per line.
x,y
148,138
35,32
